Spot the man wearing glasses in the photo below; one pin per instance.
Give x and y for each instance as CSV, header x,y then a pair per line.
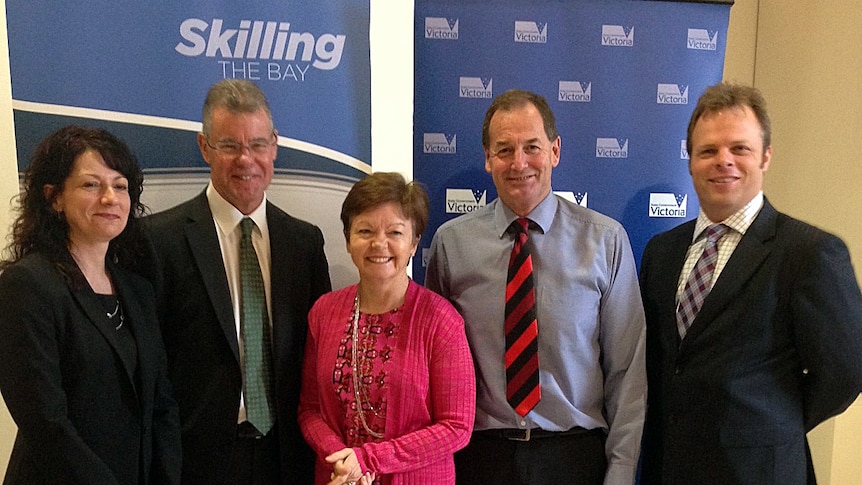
x,y
235,278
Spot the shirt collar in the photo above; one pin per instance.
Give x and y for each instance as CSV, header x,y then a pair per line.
x,y
738,221
228,217
542,216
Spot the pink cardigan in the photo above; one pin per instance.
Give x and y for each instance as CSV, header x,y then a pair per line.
x,y
432,392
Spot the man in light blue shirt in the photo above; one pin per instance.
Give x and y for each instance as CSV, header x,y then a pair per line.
x,y
587,425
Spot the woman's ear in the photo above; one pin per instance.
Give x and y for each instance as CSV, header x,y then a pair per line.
x,y
49,191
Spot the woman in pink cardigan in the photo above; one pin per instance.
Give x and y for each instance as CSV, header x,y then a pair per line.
x,y
388,390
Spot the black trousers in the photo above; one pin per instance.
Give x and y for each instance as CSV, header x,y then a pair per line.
x,y
254,460
570,458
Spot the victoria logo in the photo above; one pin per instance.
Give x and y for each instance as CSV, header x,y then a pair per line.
x,y
667,205
612,147
531,32
579,198
575,91
683,150
463,201
702,39
618,36
475,87
441,28
440,143
672,94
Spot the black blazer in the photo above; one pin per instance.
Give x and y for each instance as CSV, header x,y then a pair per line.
x,y
775,350
83,417
200,333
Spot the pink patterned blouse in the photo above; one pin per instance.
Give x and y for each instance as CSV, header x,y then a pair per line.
x,y
377,338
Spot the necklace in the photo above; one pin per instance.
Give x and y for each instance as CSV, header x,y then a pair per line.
x,y
357,381
114,313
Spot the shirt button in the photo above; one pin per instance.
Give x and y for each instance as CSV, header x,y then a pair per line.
x,y
523,423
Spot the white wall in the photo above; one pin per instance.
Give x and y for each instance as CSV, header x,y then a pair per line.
x,y
8,189
809,66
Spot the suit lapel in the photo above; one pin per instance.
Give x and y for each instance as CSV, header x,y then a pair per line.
x,y
201,235
280,270
134,312
673,260
746,259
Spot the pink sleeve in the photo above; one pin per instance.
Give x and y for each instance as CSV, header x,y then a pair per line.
x,y
452,394
322,439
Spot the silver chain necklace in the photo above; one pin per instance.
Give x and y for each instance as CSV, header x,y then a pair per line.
x,y
113,314
357,381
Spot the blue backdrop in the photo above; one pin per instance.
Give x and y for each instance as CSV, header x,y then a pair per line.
x,y
621,76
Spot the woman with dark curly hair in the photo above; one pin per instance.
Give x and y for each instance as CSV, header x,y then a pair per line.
x,y
82,366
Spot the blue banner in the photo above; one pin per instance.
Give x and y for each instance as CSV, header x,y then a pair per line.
x,y
621,76
142,70
159,60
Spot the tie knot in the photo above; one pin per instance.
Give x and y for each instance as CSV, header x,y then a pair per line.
x,y
520,225
715,232
246,224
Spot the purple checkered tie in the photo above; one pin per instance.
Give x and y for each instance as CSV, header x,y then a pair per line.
x,y
698,284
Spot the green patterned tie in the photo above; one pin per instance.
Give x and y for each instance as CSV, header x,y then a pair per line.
x,y
257,344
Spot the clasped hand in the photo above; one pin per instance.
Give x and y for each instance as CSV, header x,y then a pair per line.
x,y
346,469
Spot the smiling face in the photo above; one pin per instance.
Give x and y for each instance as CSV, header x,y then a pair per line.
x,y
242,178
727,161
381,242
520,157
94,200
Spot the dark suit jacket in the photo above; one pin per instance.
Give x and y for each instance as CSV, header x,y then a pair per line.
x,y
775,350
83,417
200,333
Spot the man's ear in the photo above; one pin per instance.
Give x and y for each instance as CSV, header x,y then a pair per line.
x,y
203,147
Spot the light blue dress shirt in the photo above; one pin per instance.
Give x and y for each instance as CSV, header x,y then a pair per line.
x,y
590,317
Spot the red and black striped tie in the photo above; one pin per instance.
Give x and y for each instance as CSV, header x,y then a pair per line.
x,y
522,330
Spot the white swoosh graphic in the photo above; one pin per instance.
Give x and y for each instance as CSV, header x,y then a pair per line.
x,y
195,126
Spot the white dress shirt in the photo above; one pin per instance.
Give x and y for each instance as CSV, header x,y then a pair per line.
x,y
227,219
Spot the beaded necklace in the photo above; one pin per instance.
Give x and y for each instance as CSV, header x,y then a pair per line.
x,y
357,380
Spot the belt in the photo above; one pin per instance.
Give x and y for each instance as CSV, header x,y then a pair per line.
x,y
246,430
528,434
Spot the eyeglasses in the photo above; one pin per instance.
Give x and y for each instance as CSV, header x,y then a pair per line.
x,y
258,146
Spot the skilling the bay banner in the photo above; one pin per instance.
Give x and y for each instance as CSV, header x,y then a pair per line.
x,y
621,78
144,70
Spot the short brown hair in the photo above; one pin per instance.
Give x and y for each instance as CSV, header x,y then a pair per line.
x,y
727,95
383,187
516,98
236,96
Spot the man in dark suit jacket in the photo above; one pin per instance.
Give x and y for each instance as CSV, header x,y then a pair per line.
x,y
196,246
776,347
